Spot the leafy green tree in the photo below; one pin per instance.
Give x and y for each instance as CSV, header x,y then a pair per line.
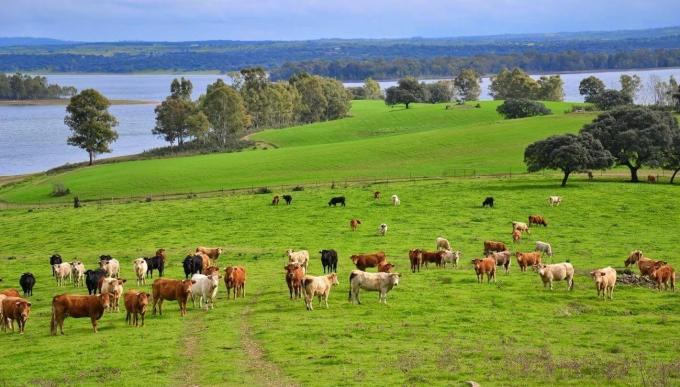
x,y
181,88
171,119
468,85
568,153
513,84
224,108
313,102
372,89
635,136
610,99
198,126
590,87
550,88
90,123
630,85
411,85
339,101
256,93
520,108
395,96
671,159
357,93
441,91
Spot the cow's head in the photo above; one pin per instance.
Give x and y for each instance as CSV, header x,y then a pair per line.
x,y
475,262
24,308
143,300
334,279
138,261
354,258
105,300
539,268
186,286
394,278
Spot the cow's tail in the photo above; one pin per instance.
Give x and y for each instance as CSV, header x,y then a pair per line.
x,y
351,276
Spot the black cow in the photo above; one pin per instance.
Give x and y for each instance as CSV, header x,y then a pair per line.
x,y
337,200
193,264
27,281
154,263
329,259
54,259
92,278
288,199
488,202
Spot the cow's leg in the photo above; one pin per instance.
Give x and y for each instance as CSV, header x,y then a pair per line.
x,y
325,298
94,323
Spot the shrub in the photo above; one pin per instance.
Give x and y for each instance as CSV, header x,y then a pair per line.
x,y
58,189
298,188
263,190
520,108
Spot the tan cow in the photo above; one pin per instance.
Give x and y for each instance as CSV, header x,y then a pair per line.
x,y
485,266
318,286
554,201
211,252
300,257
556,272
605,281
521,227
141,267
62,272
376,282
442,244
354,223
114,287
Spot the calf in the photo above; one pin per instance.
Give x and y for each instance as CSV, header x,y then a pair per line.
x,y
235,278
663,274
93,279
488,202
275,201
502,259
385,267
416,259
288,199
516,236
294,276
491,246
55,259
62,272
300,257
77,306
485,266
451,257
27,281
645,264
337,200
362,261
376,195
78,273
171,289
525,260
15,308
205,289
154,263
141,267
395,200
521,227
556,272
136,304
442,244
354,223
375,282
554,200
382,229
111,267
605,280
329,260
211,252
114,287
318,286
537,220
544,248
435,257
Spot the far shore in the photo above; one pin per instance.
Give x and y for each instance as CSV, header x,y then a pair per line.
x,y
65,101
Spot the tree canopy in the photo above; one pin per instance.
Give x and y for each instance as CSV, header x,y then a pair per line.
x,y
90,123
22,87
467,84
223,106
521,107
516,83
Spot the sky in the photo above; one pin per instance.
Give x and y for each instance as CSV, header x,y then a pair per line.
x,y
182,20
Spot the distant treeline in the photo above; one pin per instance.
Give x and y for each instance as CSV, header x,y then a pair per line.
x,y
532,62
21,87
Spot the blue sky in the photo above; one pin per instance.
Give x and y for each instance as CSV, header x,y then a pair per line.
x,y
177,20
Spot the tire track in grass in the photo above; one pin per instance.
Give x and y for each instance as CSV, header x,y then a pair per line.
x,y
263,371
188,376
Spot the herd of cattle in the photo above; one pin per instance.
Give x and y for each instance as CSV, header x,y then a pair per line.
x,y
202,277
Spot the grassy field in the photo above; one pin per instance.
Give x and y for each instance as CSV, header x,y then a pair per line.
x,y
440,326
376,142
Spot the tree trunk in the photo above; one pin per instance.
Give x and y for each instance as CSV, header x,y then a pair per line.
x,y
407,103
674,173
91,154
633,174
564,179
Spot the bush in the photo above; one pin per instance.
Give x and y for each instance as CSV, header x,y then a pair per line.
x,y
58,190
520,108
263,190
298,188
610,99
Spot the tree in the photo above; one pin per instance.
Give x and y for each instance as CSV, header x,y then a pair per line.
x,y
394,95
550,88
635,136
671,158
339,101
372,89
513,84
630,85
467,84
590,87
520,108
313,102
171,119
440,91
198,126
610,99
90,123
568,153
223,106
181,89
676,97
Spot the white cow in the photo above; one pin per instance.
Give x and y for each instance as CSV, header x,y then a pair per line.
x,y
605,280
318,286
395,200
382,229
520,226
300,257
111,266
544,247
62,272
556,272
376,282
114,287
141,267
451,257
78,273
442,244
205,289
554,200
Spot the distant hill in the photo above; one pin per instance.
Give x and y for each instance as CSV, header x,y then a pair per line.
x,y
27,41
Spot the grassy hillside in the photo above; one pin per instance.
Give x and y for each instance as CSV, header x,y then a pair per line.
x,y
376,142
440,327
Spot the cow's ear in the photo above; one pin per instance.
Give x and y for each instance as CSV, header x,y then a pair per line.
x,y
29,304
602,274
193,281
18,303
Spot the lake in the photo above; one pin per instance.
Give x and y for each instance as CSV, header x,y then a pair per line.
x,y
33,138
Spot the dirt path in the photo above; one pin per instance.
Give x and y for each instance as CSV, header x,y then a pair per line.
x,y
190,349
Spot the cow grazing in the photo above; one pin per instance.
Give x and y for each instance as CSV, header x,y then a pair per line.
x,y
235,278
27,281
503,259
385,267
171,289
111,267
136,304
354,223
114,287
55,259
605,280
141,267
442,244
491,246
15,309
62,273
154,263
451,257
205,289
556,272
651,179
337,200
329,260
435,257
416,259
288,199
78,273
318,286
300,257
382,229
488,202
376,195
645,264
663,274
485,266
525,260
362,261
395,200
372,282
10,293
93,279
77,306
294,277
554,201
521,227
211,252
544,248
537,220
275,201
516,236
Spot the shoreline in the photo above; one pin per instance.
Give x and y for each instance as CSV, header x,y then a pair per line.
x,y
64,102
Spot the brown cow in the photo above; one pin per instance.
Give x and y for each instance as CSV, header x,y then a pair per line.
x,y
15,308
435,257
205,262
485,266
663,274
491,246
171,289
10,293
385,267
516,236
354,223
235,278
645,264
294,276
415,258
525,260
77,306
213,252
651,179
362,261
502,259
538,220
210,270
376,195
275,201
135,305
